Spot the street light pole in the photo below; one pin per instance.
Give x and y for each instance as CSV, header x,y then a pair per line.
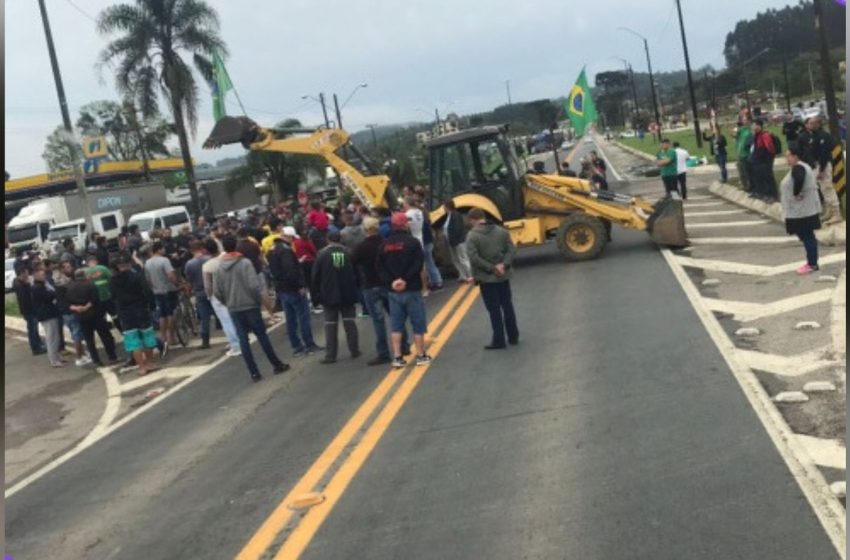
x,y
826,69
690,79
651,78
324,110
628,66
508,88
338,114
66,119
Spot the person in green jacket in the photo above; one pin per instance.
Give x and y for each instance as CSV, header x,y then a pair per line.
x,y
102,278
491,253
666,159
743,141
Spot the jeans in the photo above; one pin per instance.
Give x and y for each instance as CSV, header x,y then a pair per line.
x,y
32,334
251,321
296,308
683,185
226,323
97,323
434,276
205,313
670,184
721,163
810,243
497,300
378,304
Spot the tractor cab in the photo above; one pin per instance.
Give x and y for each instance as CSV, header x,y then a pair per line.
x,y
478,161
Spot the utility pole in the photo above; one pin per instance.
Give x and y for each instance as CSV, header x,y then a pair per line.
x,y
338,114
324,110
374,138
74,145
690,79
439,122
787,88
130,109
826,69
811,75
508,87
651,79
634,97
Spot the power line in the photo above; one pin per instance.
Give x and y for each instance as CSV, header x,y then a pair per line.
x,y
81,10
666,25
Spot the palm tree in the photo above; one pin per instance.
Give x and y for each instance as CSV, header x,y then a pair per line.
x,y
154,36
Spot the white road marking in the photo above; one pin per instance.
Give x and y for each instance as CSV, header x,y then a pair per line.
x,y
101,431
744,240
701,197
753,269
714,213
839,316
746,311
828,509
786,366
167,373
703,204
727,224
825,452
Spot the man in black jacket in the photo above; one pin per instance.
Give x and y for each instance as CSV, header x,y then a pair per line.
x,y
83,300
817,148
45,310
335,287
454,230
134,299
291,288
22,286
400,260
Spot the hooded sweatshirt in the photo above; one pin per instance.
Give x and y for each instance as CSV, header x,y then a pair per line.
x,y
401,256
488,245
236,284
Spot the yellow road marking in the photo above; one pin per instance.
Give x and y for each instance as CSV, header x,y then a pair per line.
x,y
278,519
301,536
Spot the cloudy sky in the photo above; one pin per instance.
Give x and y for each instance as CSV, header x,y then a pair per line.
x,y
415,55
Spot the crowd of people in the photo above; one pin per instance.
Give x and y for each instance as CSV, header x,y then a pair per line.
x,y
290,258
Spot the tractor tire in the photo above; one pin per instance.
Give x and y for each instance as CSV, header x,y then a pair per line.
x,y
581,237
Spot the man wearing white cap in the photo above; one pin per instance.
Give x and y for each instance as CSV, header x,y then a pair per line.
x,y
291,288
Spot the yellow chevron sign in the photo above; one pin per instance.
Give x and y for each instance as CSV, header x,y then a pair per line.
x,y
839,176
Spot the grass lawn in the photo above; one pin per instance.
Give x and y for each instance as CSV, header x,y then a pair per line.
x,y
779,174
12,307
688,141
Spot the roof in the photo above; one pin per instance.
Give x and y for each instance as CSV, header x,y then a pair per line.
x,y
465,136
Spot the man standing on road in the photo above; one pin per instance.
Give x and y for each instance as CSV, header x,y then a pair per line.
x,y
193,271
763,153
291,288
718,149
792,128
335,286
682,157
84,301
47,313
208,271
102,277
817,146
454,230
163,282
133,299
743,141
491,253
400,262
236,285
63,276
22,286
666,159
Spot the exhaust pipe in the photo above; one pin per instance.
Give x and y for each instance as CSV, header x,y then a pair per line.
x,y
666,224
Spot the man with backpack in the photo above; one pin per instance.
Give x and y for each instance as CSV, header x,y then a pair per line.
x,y
764,149
817,147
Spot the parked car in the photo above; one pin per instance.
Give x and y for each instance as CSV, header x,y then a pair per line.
x,y
173,217
10,274
178,195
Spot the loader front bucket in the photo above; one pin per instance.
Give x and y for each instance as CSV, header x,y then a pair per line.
x,y
666,224
230,130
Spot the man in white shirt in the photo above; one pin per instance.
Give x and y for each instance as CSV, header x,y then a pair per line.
x,y
415,218
682,157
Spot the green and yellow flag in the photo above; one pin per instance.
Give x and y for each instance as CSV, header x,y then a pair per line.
x,y
220,85
580,107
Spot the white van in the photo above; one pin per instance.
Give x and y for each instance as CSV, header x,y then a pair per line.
x,y
107,224
172,217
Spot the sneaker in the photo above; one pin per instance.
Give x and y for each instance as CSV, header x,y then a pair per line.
x,y
805,269
399,363
256,378
327,361
495,347
315,348
233,353
84,361
423,359
205,346
355,355
300,353
318,310
281,368
435,287
164,352
379,361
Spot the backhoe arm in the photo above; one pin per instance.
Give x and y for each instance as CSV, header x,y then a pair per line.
x,y
372,190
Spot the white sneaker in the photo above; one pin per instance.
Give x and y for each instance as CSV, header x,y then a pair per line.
x,y
84,361
233,353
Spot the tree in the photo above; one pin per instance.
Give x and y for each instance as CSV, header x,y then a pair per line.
x,y
115,123
154,36
58,152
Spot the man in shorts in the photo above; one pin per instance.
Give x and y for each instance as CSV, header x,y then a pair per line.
x,y
133,298
162,279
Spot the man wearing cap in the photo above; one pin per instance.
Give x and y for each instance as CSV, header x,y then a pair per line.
x,y
291,288
400,261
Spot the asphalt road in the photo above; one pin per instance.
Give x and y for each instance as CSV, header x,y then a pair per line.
x,y
614,430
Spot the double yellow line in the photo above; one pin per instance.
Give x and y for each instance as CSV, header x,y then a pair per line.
x,y
452,313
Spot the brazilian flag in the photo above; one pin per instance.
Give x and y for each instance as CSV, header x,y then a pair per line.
x,y
219,85
580,107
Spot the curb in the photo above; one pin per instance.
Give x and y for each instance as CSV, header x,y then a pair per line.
x,y
16,324
633,151
833,235
839,317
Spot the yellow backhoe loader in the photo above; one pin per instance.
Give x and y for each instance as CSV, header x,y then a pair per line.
x,y
478,168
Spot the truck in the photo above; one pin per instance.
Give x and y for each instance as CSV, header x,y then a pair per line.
x,y
106,224
221,196
30,228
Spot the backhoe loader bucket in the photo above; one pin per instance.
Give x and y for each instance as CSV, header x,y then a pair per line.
x,y
666,224
230,130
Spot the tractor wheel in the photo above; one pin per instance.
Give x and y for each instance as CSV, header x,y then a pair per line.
x,y
581,237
